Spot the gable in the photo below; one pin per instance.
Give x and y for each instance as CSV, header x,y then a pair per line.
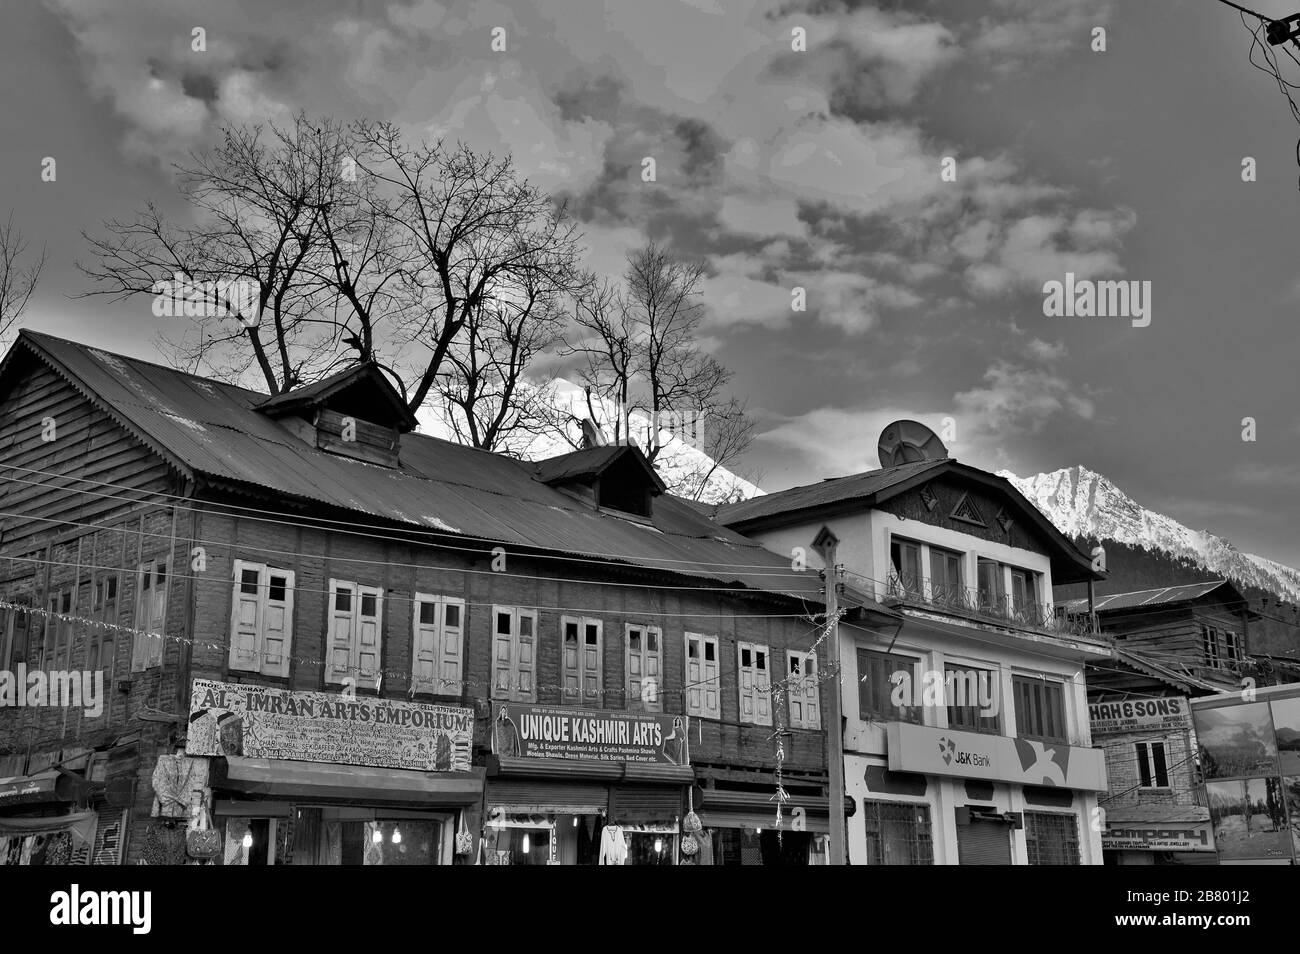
x,y
975,511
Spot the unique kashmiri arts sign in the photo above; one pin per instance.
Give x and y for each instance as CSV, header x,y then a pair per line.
x,y
553,732
268,723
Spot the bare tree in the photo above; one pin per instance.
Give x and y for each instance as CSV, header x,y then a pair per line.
x,y
18,275
605,341
360,247
490,405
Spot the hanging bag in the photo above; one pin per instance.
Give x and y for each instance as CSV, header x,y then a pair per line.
x,y
203,841
464,839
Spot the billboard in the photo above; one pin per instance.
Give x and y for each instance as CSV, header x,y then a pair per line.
x,y
264,722
1139,715
557,732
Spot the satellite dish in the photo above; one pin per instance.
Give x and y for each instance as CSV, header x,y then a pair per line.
x,y
906,442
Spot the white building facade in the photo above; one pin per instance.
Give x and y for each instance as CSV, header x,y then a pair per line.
x,y
966,734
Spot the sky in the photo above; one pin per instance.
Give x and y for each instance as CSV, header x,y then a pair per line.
x,y
818,168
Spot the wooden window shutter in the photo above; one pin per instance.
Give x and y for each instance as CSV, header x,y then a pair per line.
x,y
276,615
451,650
339,640
246,617
368,635
425,644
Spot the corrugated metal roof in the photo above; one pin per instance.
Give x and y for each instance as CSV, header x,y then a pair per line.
x,y
827,492
211,428
1160,596
592,462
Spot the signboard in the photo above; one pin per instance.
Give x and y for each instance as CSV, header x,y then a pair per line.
x,y
269,723
994,758
1145,836
1139,715
555,732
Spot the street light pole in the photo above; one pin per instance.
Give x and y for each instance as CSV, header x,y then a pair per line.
x,y
825,544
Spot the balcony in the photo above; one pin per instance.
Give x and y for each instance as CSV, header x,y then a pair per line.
x,y
997,609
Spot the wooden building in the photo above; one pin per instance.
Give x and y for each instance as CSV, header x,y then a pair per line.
x,y
231,563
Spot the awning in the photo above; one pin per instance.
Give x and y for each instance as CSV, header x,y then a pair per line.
x,y
585,769
723,808
49,786
282,778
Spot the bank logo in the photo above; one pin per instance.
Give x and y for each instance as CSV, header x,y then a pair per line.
x,y
947,748
1043,764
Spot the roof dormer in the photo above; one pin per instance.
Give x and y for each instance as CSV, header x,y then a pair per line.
x,y
355,413
617,478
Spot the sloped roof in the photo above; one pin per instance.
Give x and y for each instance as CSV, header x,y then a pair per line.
x,y
592,462
1159,596
365,375
214,430
873,487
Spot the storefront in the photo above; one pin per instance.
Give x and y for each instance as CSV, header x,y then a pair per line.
x,y
571,786
45,813
741,825
314,779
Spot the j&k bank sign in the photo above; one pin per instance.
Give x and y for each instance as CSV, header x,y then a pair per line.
x,y
994,758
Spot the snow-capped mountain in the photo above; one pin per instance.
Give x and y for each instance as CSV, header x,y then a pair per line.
x,y
1081,501
681,464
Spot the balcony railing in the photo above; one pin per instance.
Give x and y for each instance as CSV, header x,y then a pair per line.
x,y
991,606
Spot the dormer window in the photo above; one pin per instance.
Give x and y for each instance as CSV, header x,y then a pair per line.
x,y
356,413
614,478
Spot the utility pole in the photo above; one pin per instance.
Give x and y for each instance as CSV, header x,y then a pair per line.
x,y
825,544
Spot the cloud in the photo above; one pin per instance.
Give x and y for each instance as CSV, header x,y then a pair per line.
x,y
1018,33
1013,401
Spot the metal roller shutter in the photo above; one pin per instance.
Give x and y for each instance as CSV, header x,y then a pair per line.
x,y
984,843
647,803
544,796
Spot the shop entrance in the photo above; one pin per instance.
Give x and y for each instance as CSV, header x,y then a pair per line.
x,y
335,835
984,842
576,839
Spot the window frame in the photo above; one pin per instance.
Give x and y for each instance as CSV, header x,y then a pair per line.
x,y
104,608
1036,853
920,840
891,713
583,694
1210,645
444,636
636,701
514,691
1150,769
1054,688
147,648
261,661
704,683
806,685
984,725
757,694
364,676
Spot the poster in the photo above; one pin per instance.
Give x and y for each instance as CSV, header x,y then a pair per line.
x,y
1236,741
553,732
268,723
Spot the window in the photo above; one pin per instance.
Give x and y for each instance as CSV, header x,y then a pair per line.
x,y
898,833
57,646
992,592
514,653
1024,593
755,683
1052,838
945,576
1040,708
356,627
876,685
1231,648
261,619
1210,638
438,645
906,559
1153,771
703,693
968,692
13,634
581,667
150,615
99,651
802,699
644,669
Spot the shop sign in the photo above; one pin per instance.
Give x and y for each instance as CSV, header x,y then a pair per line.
x,y
554,732
995,758
1174,836
1139,715
268,723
